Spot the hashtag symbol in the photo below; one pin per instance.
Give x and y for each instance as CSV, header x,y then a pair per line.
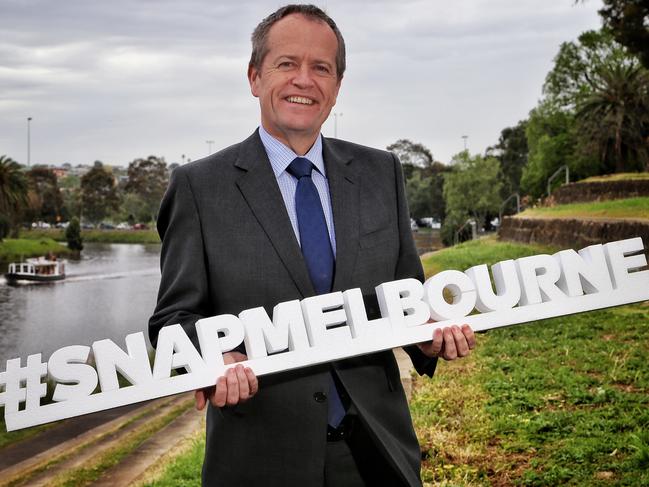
x,y
23,384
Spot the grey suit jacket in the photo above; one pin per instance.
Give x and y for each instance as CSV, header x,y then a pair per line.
x,y
228,245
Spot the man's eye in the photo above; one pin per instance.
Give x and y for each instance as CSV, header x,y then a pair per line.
x,y
285,64
322,68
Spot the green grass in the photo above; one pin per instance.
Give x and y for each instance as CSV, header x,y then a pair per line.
x,y
15,249
184,470
96,235
484,251
557,402
633,208
617,177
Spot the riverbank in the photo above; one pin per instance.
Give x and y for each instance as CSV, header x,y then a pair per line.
x,y
16,249
96,235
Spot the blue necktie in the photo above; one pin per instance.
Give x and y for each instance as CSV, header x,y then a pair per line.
x,y
316,249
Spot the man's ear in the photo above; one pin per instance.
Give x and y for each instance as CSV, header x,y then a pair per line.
x,y
253,79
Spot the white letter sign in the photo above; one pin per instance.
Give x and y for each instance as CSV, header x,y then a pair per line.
x,y
323,328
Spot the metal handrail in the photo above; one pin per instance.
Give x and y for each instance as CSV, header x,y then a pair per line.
x,y
556,173
502,207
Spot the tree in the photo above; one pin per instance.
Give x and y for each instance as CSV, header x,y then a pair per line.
x,y
472,188
73,235
425,196
592,97
13,190
424,179
45,193
411,153
148,179
552,141
511,151
574,74
614,119
627,20
98,194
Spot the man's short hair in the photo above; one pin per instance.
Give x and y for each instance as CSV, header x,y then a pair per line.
x,y
260,34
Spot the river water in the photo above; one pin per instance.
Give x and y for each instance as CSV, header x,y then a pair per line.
x,y
109,293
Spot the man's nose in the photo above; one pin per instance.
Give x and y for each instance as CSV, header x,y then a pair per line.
x,y
303,77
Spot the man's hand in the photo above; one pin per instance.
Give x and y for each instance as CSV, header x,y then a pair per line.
x,y
449,343
237,385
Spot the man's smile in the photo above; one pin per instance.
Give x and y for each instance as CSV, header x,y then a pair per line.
x,y
299,99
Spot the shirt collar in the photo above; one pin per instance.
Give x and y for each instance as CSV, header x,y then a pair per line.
x,y
281,156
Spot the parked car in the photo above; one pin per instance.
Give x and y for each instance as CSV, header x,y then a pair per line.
x,y
140,226
123,226
413,225
106,226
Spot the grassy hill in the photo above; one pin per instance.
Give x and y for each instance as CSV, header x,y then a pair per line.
x,y
630,208
557,402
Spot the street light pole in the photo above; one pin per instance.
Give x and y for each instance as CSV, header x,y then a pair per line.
x,y
336,115
465,137
29,141
209,146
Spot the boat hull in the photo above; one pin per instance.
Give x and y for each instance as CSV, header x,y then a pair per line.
x,y
14,278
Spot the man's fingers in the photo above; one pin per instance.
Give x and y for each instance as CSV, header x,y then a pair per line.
x,y
233,387
200,399
437,343
220,393
253,383
470,336
244,388
450,352
461,344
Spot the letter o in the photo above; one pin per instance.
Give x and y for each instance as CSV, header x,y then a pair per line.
x,y
462,289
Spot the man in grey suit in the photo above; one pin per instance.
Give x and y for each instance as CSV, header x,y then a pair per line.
x,y
238,232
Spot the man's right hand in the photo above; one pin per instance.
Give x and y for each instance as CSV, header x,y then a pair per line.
x,y
237,385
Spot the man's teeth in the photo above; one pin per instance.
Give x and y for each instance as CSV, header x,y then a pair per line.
x,y
300,99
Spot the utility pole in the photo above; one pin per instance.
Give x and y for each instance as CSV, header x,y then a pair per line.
x,y
465,137
29,141
209,146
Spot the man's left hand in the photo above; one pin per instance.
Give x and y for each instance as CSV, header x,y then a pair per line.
x,y
449,343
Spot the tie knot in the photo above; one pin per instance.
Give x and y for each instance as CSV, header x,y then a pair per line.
x,y
300,167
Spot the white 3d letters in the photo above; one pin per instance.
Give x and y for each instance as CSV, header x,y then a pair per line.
x,y
324,328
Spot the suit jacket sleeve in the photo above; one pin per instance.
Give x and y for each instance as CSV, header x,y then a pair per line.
x,y
409,265
184,283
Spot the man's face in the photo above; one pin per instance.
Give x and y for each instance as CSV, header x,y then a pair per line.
x,y
297,84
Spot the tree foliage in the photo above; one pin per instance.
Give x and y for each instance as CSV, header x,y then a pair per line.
x,y
424,179
98,194
411,153
613,120
472,189
46,200
627,20
511,151
148,179
73,235
593,117
13,190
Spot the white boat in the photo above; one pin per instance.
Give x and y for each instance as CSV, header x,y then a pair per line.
x,y
39,270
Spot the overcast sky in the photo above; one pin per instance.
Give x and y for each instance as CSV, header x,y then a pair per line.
x,y
121,79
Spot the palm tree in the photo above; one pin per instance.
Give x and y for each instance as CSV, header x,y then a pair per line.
x,y
614,118
13,190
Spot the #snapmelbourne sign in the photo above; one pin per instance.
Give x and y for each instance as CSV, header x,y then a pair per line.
x,y
323,328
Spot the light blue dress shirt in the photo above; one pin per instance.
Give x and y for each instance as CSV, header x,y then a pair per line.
x,y
280,157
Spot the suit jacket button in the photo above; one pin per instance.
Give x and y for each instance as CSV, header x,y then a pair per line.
x,y
320,397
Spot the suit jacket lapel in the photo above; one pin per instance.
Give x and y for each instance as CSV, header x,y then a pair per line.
x,y
344,189
260,190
